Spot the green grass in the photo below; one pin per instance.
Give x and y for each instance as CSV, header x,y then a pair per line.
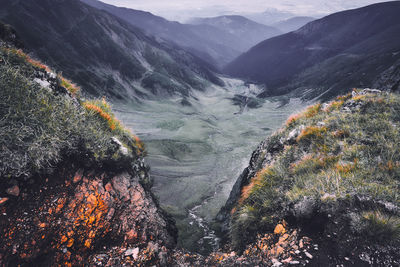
x,y
338,154
40,128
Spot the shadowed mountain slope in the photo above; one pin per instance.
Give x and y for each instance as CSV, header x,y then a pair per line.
x,y
102,53
347,49
210,43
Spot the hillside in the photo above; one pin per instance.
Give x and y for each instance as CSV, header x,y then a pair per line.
x,y
327,56
331,173
247,32
72,178
102,53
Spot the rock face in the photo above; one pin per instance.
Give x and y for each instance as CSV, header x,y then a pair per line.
x,y
79,212
389,80
262,156
8,36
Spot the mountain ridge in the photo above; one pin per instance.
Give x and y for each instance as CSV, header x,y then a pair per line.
x,y
188,37
293,23
247,31
104,54
285,63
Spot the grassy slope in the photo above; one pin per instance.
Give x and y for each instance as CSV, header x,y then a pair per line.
x,y
40,127
328,155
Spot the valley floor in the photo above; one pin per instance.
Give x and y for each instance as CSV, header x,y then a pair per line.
x,y
198,151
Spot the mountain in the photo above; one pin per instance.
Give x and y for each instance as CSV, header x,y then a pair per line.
x,y
292,24
270,16
102,53
344,50
207,42
247,32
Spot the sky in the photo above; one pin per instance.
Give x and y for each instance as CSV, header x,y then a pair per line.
x,y
181,10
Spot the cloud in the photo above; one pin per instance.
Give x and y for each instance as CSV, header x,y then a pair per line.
x,y
181,9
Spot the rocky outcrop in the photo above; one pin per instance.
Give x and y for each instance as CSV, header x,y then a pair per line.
x,y
9,37
262,156
90,202
348,226
389,80
76,213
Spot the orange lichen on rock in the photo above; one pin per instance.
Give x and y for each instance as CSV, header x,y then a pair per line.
x,y
78,217
78,176
279,229
64,239
88,243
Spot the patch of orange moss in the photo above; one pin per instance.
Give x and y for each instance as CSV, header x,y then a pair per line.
x,y
313,162
341,133
70,86
347,168
334,105
313,110
344,97
255,181
28,59
103,114
389,166
312,132
292,119
359,97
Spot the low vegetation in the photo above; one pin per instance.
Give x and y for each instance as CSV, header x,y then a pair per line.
x,y
330,153
39,127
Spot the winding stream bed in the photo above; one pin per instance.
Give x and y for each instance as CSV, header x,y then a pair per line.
x,y
197,152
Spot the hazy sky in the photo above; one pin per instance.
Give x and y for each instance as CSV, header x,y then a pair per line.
x,y
182,9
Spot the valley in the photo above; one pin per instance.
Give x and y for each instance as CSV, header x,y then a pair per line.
x,y
196,152
240,139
